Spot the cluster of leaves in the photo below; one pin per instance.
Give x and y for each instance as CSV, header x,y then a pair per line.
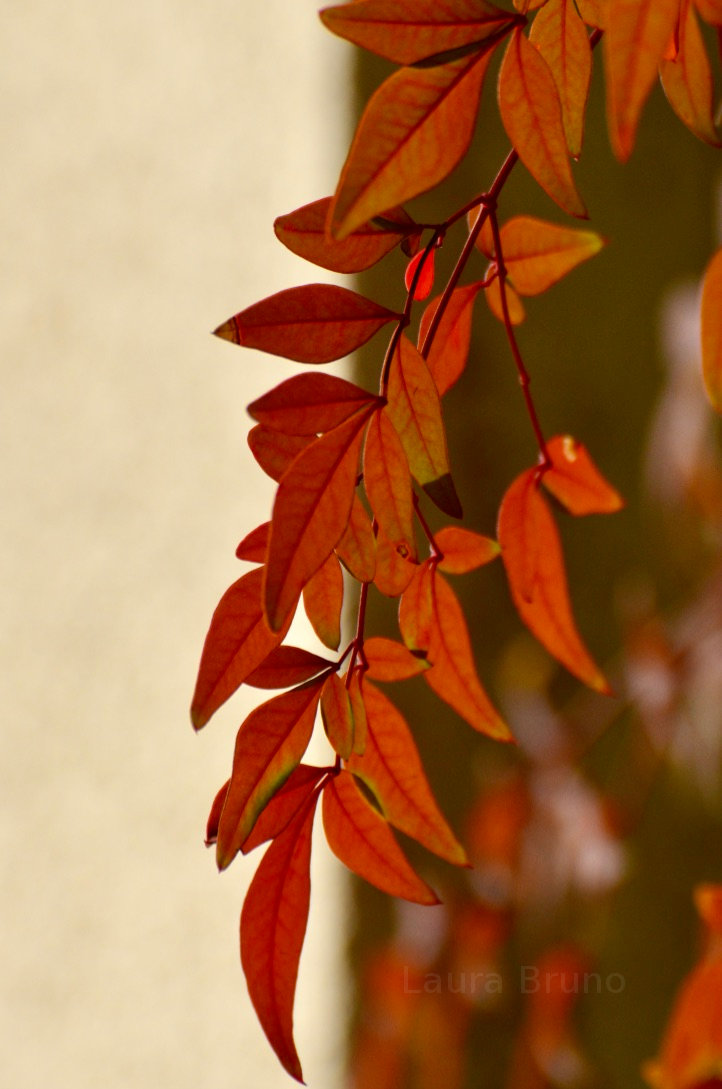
x,y
355,468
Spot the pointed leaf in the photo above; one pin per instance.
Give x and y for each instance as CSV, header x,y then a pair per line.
x,y
446,356
413,132
387,482
310,513
310,403
363,841
269,745
534,563
532,116
215,814
286,666
712,330
393,571
357,547
254,545
560,36
391,661
419,274
463,550
687,82
237,642
273,926
515,306
414,408
392,769
575,480
323,601
274,451
304,233
416,610
537,254
315,323
354,687
284,805
337,715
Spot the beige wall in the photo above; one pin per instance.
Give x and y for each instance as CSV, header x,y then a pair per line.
x,y
146,149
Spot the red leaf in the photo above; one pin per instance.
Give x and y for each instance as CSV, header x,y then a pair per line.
x,y
273,925
254,545
284,805
337,715
310,513
215,814
310,403
363,841
712,330
392,769
393,571
532,116
304,233
237,642
358,709
537,254
559,34
323,601
575,480
274,451
312,324
391,661
446,358
387,481
416,610
424,277
269,745
286,666
413,132
463,550
711,11
687,82
357,547
534,563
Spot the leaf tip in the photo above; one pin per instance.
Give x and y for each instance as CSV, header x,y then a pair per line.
x,y
443,494
229,331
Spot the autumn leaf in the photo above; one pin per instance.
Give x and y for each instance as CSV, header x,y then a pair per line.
x,y
323,601
389,660
534,563
315,323
254,545
531,113
687,82
419,275
413,132
463,550
414,408
392,769
275,451
308,404
354,687
337,715
273,926
363,841
215,814
593,12
357,547
286,666
269,745
304,233
514,305
310,513
237,642
711,330
393,571
387,482
447,353
409,33
284,805
559,34
537,253
416,610
576,482
711,11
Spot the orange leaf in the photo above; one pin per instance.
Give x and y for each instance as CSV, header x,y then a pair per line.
x,y
687,82
310,403
323,601
424,278
463,550
531,113
304,233
357,547
391,661
254,545
711,11
269,745
358,710
337,715
593,12
387,482
515,306
416,610
284,805
392,770
414,408
413,132
393,571
537,254
237,642
312,324
363,841
575,480
712,330
559,34
274,451
273,925
310,513
534,563
634,42
446,358
286,666
410,33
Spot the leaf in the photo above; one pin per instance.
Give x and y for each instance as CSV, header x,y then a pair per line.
x,y
237,642
463,550
559,34
593,12
576,482
414,408
284,805
534,563
537,254
215,814
407,33
387,482
634,42
323,600
393,571
304,233
357,547
391,661
392,770
711,11
310,403
274,451
514,304
254,545
273,926
448,352
315,323
532,116
269,745
687,82
286,666
310,513
419,274
363,841
337,715
354,687
413,132
711,320
416,610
